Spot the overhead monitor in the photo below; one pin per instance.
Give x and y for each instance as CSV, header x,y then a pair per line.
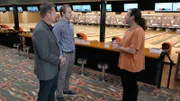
x,y
128,6
11,9
32,9
77,8
2,9
176,6
86,8
58,7
20,9
163,7
108,7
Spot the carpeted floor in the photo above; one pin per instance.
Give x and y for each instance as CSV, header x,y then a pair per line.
x,y
18,83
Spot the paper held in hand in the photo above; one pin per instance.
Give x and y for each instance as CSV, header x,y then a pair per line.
x,y
155,50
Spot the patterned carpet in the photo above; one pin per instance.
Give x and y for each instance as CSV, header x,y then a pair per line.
x,y
18,83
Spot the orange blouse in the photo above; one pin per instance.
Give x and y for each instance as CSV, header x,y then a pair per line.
x,y
135,39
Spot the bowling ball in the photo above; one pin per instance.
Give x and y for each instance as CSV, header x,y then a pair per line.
x,y
159,8
178,9
163,9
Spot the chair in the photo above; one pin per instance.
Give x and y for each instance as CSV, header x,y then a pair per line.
x,y
27,48
17,46
5,26
81,36
116,38
103,66
167,46
82,62
31,29
20,29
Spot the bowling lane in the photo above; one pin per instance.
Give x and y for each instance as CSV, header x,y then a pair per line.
x,y
150,34
88,30
93,32
107,39
162,36
83,29
177,45
172,40
111,33
95,38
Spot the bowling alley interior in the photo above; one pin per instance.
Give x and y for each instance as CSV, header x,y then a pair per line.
x,y
96,75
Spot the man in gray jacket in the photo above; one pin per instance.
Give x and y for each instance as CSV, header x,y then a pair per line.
x,y
47,56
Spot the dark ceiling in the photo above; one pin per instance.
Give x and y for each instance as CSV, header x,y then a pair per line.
x,y
10,2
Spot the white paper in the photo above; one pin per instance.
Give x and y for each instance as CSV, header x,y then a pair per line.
x,y
154,50
86,42
78,41
106,45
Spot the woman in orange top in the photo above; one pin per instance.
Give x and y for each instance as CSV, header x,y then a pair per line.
x,y
132,58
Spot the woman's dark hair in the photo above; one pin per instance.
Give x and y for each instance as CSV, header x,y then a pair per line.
x,y
137,17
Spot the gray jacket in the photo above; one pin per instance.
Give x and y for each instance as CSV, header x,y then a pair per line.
x,y
46,52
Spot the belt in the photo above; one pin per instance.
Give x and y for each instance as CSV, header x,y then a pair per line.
x,y
69,52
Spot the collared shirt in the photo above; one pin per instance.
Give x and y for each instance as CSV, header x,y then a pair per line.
x,y
64,32
49,26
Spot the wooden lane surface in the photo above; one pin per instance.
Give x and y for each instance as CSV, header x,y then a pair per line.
x,y
148,34
172,40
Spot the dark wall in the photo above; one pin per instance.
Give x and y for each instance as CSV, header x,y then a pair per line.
x,y
146,4
166,0
117,6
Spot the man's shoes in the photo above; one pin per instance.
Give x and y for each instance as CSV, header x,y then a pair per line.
x,y
69,93
60,98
